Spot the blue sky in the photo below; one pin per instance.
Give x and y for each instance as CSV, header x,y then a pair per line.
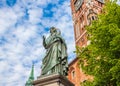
x,y
22,22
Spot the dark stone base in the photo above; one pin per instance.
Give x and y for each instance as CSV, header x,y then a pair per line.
x,y
52,80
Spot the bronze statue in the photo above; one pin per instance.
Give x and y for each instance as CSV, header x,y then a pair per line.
x,y
55,60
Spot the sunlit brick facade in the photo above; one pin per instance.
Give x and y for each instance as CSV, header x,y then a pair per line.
x,y
75,74
83,12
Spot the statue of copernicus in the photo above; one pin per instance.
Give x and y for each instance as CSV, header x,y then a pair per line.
x,y
55,60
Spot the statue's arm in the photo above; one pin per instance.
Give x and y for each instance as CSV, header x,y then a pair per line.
x,y
56,39
51,42
44,43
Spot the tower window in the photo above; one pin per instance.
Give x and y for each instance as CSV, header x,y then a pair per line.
x,y
73,74
93,18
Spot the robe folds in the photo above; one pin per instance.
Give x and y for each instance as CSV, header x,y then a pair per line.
x,y
55,60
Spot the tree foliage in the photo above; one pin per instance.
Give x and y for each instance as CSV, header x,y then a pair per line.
x,y
101,58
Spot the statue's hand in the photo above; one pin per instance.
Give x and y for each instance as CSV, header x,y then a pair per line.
x,y
43,37
44,43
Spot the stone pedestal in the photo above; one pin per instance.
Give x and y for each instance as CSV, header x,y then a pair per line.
x,y
52,80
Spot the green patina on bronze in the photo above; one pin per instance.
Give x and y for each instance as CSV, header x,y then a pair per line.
x,y
31,77
55,60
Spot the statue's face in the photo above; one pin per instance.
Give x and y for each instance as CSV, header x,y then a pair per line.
x,y
52,30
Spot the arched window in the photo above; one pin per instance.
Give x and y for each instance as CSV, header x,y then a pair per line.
x,y
73,74
93,18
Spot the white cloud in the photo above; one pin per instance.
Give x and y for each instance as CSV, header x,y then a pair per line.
x,y
23,43
35,15
5,19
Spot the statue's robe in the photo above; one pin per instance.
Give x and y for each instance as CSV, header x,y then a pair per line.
x,y
55,60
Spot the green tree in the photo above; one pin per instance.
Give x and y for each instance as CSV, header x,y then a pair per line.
x,y
101,58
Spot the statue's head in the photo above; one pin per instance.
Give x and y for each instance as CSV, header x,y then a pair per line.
x,y
53,30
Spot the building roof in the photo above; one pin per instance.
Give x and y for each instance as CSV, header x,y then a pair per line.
x,y
74,60
31,77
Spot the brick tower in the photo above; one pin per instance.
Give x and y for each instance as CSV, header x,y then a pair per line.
x,y
83,12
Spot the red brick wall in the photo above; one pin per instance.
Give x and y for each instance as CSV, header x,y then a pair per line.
x,y
76,79
79,76
81,18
